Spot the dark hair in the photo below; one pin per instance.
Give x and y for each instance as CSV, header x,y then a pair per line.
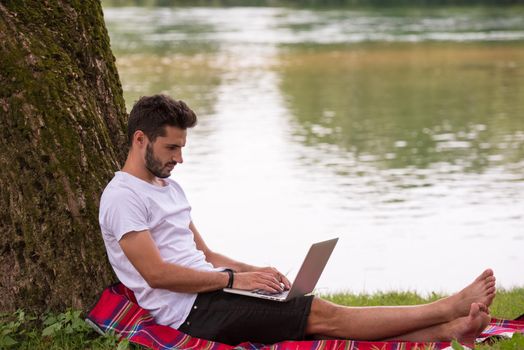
x,y
152,113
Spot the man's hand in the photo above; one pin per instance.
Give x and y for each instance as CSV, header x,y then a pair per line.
x,y
278,275
265,278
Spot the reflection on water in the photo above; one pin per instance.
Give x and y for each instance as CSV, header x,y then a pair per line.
x,y
400,132
406,106
195,79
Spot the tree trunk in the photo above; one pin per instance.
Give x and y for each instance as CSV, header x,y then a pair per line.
x,y
62,136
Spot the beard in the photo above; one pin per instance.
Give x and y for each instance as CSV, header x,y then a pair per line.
x,y
154,165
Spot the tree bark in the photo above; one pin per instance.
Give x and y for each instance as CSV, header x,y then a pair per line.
x,y
62,136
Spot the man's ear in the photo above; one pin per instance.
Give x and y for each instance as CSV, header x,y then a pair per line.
x,y
139,139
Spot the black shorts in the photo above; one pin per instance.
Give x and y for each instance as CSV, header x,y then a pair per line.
x,y
233,319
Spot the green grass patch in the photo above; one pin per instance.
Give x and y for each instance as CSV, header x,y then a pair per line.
x,y
62,331
68,330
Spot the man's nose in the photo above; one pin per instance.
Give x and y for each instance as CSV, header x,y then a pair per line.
x,y
178,157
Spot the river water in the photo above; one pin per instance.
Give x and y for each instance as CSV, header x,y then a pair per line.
x,y
401,131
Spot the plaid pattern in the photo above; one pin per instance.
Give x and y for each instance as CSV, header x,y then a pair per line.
x,y
118,311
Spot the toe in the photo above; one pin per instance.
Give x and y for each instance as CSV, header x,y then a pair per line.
x,y
474,309
483,307
490,279
484,275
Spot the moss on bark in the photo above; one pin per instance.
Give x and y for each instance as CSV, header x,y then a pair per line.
x,y
63,119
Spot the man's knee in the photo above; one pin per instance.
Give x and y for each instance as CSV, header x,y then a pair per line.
x,y
322,319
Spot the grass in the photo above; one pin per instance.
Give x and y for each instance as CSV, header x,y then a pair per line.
x,y
61,331
68,330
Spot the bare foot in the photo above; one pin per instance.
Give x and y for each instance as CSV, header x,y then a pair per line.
x,y
466,329
482,290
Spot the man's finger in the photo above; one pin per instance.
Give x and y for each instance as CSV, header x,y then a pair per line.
x,y
286,282
283,279
272,284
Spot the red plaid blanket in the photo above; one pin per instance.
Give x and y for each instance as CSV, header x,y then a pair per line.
x,y
118,311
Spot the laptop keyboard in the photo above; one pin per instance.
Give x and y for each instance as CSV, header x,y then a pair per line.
x,y
265,292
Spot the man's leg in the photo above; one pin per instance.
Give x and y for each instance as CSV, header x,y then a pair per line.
x,y
374,323
464,329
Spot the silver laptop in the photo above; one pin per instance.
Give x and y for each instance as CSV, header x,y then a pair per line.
x,y
307,277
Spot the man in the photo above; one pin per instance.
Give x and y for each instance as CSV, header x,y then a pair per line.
x,y
157,251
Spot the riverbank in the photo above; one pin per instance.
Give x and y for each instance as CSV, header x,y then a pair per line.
x,y
69,331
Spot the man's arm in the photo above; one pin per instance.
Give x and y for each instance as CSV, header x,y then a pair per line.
x,y
140,249
142,252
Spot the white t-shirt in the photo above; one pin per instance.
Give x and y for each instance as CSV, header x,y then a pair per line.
x,y
130,204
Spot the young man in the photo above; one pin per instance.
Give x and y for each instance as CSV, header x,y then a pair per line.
x,y
157,251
